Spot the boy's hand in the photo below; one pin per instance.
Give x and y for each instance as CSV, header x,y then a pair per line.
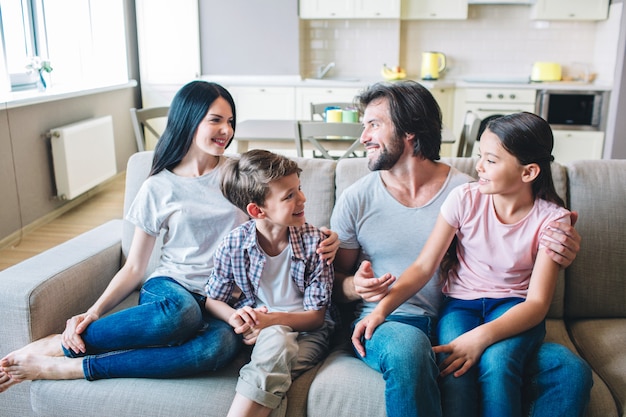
x,y
247,321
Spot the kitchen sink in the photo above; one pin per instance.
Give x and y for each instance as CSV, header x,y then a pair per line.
x,y
331,80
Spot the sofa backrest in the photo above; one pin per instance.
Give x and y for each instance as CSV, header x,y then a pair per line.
x,y
596,283
351,169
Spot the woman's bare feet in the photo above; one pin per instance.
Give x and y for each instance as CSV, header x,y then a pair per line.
x,y
6,382
49,346
27,366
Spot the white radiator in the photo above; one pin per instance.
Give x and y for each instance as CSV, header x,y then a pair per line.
x,y
83,155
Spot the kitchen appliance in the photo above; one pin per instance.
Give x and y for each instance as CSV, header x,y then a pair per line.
x,y
433,64
486,103
545,71
572,109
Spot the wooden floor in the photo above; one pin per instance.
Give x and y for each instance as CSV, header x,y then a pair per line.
x,y
106,205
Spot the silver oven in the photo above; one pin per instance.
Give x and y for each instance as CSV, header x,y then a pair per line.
x,y
573,110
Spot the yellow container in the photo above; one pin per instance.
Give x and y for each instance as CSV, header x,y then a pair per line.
x,y
334,116
546,71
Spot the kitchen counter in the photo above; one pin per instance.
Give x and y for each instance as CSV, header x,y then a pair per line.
x,y
297,81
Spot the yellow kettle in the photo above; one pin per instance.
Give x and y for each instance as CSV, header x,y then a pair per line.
x,y
433,64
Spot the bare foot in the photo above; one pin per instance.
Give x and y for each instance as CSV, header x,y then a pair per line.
x,y
26,366
48,346
6,382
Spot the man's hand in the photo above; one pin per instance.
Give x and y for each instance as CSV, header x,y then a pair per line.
x,y
562,241
327,248
368,287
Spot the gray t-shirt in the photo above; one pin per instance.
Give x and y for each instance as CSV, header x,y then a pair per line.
x,y
193,216
391,235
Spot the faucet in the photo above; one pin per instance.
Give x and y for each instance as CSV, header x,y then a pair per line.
x,y
323,70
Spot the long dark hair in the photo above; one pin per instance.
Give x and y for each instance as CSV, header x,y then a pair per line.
x,y
189,106
413,110
529,138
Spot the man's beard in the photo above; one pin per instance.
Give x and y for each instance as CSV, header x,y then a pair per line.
x,y
387,158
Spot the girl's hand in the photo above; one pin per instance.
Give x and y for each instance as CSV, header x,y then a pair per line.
x,y
464,352
365,328
74,326
328,247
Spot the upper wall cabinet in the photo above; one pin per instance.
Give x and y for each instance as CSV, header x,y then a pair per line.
x,y
349,9
434,9
570,10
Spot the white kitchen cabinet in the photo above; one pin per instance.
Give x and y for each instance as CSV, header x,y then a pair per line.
x,y
307,95
433,9
377,9
445,99
572,145
264,102
570,10
349,9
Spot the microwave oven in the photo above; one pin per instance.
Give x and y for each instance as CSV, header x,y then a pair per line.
x,y
573,110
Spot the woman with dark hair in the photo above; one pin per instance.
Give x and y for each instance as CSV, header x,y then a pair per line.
x,y
497,296
169,333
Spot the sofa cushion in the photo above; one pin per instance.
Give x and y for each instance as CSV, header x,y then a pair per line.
x,y
601,400
601,342
346,386
318,184
206,395
598,193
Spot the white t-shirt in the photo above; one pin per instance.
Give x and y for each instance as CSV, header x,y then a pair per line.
x,y
391,235
193,216
276,287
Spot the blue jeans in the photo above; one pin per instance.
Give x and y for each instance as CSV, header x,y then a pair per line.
x,y
168,334
500,369
557,383
401,350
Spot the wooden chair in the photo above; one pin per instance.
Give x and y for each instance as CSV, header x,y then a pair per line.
x,y
469,134
330,134
146,119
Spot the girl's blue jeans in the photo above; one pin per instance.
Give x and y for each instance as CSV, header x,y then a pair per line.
x,y
168,334
401,350
501,367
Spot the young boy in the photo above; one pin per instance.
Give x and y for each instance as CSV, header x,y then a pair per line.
x,y
285,286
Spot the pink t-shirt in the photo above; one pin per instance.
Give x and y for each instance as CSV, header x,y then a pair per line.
x,y
495,259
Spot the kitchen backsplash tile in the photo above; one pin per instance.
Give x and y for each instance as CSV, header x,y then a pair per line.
x,y
495,39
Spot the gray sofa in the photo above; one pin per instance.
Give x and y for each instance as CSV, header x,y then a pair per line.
x,y
588,314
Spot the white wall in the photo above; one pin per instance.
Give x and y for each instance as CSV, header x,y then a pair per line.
x,y
495,39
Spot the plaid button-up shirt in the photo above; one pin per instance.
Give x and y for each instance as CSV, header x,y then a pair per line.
x,y
239,261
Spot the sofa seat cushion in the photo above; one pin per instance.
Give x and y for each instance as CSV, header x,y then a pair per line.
x,y
346,386
601,342
601,400
206,395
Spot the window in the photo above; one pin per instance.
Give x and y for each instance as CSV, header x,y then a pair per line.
x,y
84,41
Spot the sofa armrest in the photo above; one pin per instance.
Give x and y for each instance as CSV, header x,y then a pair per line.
x,y
39,294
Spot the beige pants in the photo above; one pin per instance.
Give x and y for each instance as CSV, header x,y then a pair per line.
x,y
278,357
